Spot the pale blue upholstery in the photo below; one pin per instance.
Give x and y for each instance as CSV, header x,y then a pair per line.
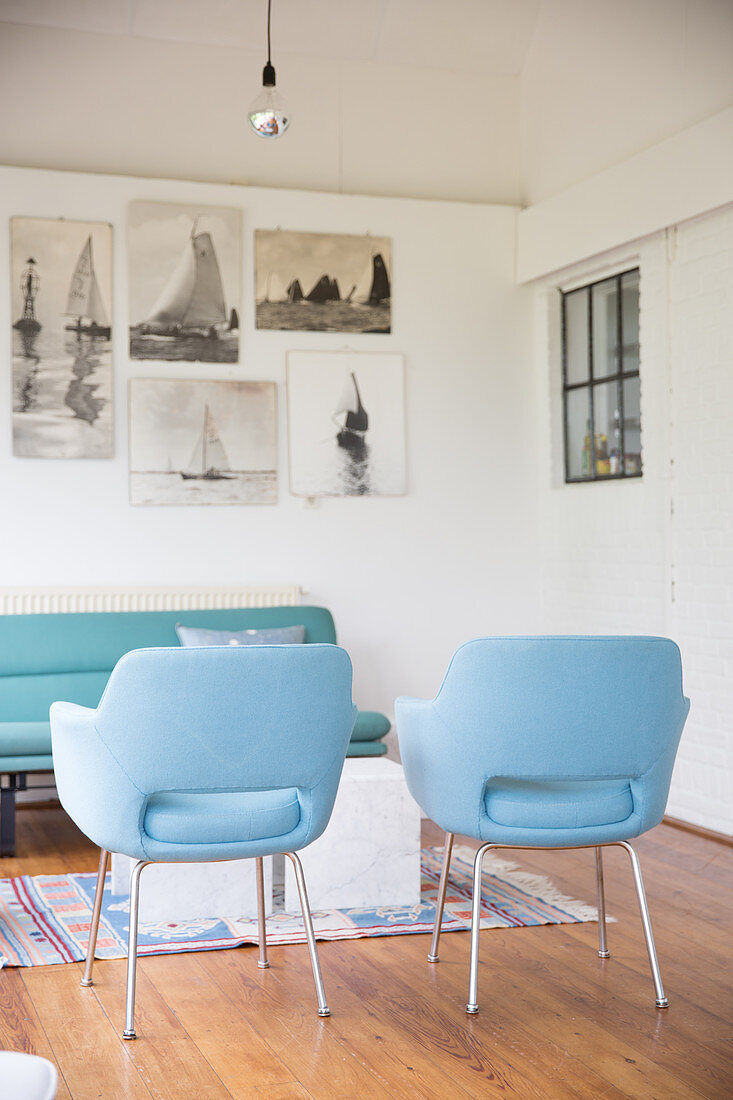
x,y
211,739
547,742
211,753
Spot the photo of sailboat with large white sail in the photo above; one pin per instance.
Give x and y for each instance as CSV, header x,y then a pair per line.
x,y
197,442
184,282
62,353
323,282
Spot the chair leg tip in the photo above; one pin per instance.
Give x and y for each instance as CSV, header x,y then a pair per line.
x,y
129,1034
433,958
662,1002
263,965
471,1009
324,1011
604,954
86,982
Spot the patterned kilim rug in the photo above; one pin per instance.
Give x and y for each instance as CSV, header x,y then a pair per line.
x,y
45,918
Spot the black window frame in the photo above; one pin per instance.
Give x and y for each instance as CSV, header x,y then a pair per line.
x,y
619,377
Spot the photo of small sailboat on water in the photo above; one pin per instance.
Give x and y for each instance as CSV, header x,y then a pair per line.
x,y
323,282
196,442
62,354
184,282
346,420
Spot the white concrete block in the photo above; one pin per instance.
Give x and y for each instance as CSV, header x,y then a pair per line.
x,y
194,891
369,854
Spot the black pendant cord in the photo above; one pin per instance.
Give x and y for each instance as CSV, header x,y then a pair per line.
x,y
268,73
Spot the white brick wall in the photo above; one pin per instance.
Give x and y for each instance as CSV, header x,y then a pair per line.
x,y
613,553
701,545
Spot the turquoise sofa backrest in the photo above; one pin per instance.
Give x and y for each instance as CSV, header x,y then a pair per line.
x,y
70,656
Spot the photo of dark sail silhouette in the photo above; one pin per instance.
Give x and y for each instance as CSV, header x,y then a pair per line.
x,y
346,418
323,282
62,353
184,282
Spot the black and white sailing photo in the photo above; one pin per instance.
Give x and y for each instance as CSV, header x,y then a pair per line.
x,y
61,302
197,442
346,420
323,282
184,270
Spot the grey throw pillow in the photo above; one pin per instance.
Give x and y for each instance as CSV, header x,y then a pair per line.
x,y
283,635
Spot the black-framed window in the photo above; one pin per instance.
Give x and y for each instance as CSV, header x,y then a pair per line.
x,y
600,376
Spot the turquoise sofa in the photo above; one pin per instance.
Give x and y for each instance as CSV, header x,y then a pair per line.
x,y
70,656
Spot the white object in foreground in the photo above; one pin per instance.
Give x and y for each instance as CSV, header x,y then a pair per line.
x,y
26,1077
194,891
369,854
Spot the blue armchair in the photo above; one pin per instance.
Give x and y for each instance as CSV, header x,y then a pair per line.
x,y
554,742
207,754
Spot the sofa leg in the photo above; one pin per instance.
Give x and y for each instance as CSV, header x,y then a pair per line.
x,y
7,814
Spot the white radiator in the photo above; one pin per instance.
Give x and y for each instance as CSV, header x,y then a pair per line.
x,y
25,601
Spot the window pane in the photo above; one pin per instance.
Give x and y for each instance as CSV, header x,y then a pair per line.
x,y
632,426
607,428
605,331
577,409
576,336
630,320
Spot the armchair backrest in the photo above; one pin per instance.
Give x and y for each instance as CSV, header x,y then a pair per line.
x,y
562,707
228,717
545,709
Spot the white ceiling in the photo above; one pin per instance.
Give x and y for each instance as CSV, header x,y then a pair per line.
x,y
481,100
492,33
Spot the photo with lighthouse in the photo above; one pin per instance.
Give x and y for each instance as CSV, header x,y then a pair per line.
x,y
61,302
184,270
323,282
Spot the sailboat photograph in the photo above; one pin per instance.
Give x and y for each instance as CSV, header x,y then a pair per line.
x,y
209,460
61,323
184,282
198,442
85,298
322,282
351,417
346,424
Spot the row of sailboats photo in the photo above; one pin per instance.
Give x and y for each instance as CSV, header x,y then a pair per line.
x,y
373,288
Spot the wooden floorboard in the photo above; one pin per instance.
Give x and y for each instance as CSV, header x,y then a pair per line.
x,y
555,1021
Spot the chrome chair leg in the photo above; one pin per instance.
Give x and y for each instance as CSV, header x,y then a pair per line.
x,y
433,956
603,952
323,1009
129,1032
262,962
94,926
661,1001
472,1006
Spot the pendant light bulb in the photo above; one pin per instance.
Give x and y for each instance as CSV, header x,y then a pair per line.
x,y
268,114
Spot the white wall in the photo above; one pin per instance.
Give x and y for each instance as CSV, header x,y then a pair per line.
x,y
655,555
407,578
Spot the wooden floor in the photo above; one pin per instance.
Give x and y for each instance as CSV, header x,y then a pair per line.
x,y
555,1020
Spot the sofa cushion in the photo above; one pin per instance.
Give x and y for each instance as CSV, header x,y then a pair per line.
x,y
283,635
370,725
212,817
558,804
25,739
366,748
